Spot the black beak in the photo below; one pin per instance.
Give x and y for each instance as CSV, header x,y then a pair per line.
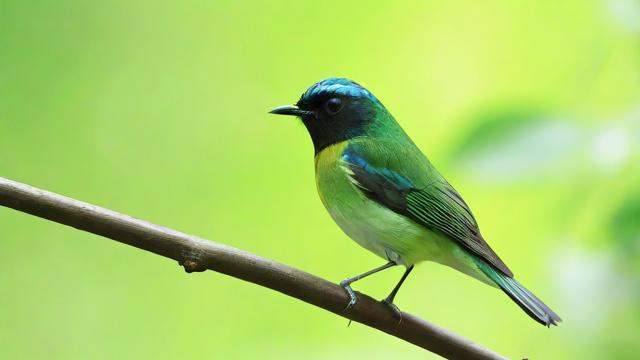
x,y
289,110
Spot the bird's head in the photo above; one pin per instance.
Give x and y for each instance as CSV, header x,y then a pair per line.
x,y
334,110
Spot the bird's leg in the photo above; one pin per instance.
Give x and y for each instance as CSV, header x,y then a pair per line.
x,y
394,292
389,299
346,283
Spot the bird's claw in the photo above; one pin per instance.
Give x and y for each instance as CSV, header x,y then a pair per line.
x,y
396,311
352,295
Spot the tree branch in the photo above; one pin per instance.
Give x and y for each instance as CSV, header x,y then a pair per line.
x,y
196,254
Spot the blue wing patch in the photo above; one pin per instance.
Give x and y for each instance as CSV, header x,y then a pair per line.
x,y
380,184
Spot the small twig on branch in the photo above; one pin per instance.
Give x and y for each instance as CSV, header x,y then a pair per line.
x,y
196,254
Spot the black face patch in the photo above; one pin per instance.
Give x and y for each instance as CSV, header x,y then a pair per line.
x,y
337,109
334,119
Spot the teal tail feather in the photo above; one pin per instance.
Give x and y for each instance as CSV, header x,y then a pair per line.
x,y
533,306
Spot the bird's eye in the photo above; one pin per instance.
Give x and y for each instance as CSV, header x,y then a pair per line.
x,y
333,106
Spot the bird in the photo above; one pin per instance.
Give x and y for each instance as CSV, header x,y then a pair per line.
x,y
385,194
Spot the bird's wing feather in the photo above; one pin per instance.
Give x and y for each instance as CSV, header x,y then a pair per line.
x,y
434,204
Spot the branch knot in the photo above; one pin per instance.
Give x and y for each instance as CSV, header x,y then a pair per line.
x,y
192,260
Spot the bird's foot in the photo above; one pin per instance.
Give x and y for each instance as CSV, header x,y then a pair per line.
x,y
352,295
396,311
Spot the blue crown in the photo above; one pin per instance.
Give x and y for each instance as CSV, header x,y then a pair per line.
x,y
337,86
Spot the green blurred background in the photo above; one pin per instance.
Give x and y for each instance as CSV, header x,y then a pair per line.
x,y
159,110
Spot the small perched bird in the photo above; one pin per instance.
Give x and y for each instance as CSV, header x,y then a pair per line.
x,y
385,194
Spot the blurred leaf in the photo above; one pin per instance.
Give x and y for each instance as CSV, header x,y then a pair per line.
x,y
512,144
625,225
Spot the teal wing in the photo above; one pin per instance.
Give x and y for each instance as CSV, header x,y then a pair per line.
x,y
431,202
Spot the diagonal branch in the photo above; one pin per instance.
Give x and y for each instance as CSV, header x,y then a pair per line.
x,y
196,254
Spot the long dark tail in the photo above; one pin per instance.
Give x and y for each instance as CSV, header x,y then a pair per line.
x,y
533,306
